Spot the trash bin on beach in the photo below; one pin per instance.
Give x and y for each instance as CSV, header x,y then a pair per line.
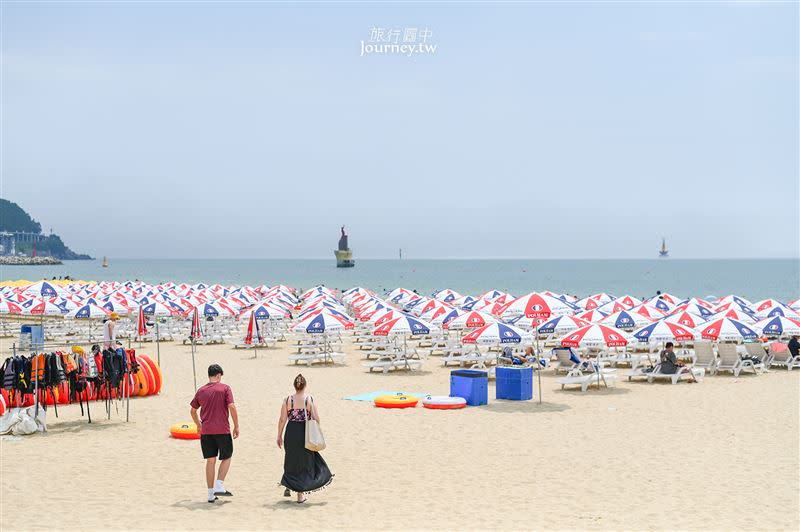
x,y
471,384
514,383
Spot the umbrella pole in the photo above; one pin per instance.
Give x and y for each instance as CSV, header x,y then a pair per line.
x,y
127,392
158,343
194,371
538,366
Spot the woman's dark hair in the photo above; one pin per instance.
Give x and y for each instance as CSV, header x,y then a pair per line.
x,y
299,382
669,344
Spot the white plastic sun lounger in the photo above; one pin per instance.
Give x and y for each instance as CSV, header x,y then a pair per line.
x,y
705,357
321,358
731,360
584,379
784,358
684,371
388,362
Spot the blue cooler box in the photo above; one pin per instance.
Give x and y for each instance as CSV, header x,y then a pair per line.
x,y
471,384
515,383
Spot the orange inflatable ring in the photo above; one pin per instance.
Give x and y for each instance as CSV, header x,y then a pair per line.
x,y
184,431
399,400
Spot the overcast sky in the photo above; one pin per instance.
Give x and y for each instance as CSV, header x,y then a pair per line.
x,y
256,130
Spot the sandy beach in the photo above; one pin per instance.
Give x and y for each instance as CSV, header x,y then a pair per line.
x,y
722,454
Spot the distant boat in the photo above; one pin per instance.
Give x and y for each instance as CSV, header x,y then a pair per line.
x,y
663,252
105,262
344,255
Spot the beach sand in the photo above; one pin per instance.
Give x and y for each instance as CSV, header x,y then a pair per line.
x,y
718,455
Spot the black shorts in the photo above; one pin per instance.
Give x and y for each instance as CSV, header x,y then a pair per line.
x,y
216,444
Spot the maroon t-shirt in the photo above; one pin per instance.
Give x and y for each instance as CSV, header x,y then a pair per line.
x,y
213,399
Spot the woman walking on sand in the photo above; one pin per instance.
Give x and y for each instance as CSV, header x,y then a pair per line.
x,y
303,470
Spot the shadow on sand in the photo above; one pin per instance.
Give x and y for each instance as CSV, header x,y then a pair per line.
x,y
201,505
291,504
525,407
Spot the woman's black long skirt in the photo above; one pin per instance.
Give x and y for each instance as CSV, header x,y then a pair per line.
x,y
303,470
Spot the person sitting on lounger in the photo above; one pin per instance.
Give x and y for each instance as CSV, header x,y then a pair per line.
x,y
669,362
794,346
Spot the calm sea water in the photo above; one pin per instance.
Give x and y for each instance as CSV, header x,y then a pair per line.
x,y
753,279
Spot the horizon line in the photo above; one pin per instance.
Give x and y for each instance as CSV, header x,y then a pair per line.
x,y
658,259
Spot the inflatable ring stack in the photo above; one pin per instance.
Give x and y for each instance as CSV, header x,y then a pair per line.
x,y
399,400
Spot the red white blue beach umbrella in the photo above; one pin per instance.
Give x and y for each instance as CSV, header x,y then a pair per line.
x,y
734,305
214,309
323,322
446,295
770,307
253,331
141,323
685,319
778,326
470,320
536,305
404,325
664,331
44,289
43,308
661,304
561,325
115,306
794,304
594,301
733,314
648,311
629,301
612,307
497,333
197,328
592,316
156,308
727,330
596,335
88,312
625,320
694,308
9,307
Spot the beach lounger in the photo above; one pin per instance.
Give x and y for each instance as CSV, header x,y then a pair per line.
x,y
756,349
731,360
784,358
586,379
389,362
321,357
705,357
685,371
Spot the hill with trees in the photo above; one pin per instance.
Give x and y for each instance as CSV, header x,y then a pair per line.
x,y
14,219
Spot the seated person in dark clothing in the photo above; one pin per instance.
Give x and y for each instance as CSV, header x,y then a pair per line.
x,y
669,362
794,346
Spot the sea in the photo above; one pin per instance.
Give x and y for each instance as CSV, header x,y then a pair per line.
x,y
753,279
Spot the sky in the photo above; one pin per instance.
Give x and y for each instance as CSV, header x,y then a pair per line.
x,y
540,130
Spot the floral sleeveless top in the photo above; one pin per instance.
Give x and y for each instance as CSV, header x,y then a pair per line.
x,y
296,414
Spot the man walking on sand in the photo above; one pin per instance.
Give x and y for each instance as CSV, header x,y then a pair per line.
x,y
215,401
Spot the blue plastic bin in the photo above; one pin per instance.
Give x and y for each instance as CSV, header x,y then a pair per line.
x,y
514,383
31,337
471,384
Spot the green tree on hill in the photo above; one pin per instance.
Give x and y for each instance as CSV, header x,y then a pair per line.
x,y
14,218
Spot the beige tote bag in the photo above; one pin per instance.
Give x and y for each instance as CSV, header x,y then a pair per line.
x,y
315,441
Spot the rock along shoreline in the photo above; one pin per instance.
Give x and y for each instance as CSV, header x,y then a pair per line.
x,y
11,260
